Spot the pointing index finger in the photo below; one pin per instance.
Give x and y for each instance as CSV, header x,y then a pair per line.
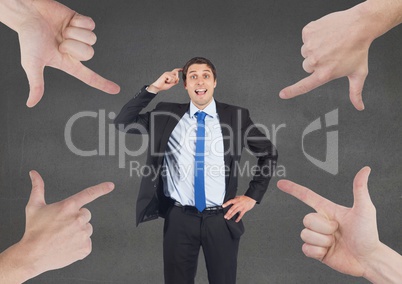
x,y
176,71
305,195
91,193
89,77
303,86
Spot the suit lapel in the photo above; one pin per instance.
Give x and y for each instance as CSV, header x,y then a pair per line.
x,y
225,120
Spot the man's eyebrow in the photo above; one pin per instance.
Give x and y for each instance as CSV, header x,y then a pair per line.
x,y
202,71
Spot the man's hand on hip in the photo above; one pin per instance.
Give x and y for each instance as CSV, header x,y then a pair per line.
x,y
240,204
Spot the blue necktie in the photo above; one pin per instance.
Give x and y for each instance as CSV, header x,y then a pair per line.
x,y
199,183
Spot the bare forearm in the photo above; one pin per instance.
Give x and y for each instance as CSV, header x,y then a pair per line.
x,y
379,16
14,12
15,265
385,266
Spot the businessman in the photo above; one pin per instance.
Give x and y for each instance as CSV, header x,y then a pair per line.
x,y
194,150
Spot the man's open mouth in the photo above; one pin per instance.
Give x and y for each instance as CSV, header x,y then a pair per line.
x,y
200,91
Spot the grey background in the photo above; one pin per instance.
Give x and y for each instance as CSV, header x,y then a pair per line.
x,y
256,48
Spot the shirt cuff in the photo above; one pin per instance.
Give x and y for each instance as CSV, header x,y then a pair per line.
x,y
149,91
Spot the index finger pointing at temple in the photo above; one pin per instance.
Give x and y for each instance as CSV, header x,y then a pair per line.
x,y
91,193
176,71
307,196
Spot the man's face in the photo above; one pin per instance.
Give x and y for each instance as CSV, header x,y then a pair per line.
x,y
200,85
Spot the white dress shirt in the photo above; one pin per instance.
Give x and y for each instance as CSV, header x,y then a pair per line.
x,y
179,160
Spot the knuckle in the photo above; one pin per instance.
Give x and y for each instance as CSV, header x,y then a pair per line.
x,y
90,52
89,213
67,32
319,255
63,47
94,38
306,66
306,31
79,221
306,250
90,229
329,241
307,47
91,21
307,220
334,227
303,234
313,61
304,51
309,253
316,253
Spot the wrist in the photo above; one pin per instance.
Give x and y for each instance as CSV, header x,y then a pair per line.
x,y
152,89
16,266
379,16
15,12
383,266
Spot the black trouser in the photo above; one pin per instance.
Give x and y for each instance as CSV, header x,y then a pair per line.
x,y
185,230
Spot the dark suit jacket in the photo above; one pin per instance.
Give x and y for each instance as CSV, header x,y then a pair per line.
x,y
237,130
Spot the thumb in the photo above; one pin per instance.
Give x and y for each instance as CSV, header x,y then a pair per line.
x,y
37,197
360,190
356,84
36,83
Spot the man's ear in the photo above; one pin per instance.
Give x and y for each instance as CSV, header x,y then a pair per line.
x,y
215,84
185,85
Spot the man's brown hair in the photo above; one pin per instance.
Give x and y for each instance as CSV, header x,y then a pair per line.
x,y
198,60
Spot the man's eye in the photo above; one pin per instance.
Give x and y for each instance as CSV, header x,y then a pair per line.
x,y
193,77
206,76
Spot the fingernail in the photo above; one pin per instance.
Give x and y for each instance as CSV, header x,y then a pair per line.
x,y
282,95
110,185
